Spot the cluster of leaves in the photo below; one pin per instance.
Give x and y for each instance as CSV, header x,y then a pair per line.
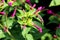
x,y
21,21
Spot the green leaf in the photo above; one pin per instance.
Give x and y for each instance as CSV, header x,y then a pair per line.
x,y
27,6
29,37
39,24
51,18
54,19
10,9
36,1
20,1
1,34
15,4
7,22
25,31
54,3
58,32
32,11
5,5
46,35
20,14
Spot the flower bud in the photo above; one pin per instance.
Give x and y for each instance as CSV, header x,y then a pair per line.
x,y
10,3
2,0
40,8
27,1
38,28
49,12
14,13
54,36
2,13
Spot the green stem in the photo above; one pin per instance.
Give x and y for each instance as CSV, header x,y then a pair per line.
x,y
7,26
1,9
11,35
1,26
8,32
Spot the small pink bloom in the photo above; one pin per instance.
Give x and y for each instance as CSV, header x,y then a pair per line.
x,y
5,29
27,1
40,8
39,28
34,5
24,26
2,13
54,36
14,13
10,3
2,0
49,12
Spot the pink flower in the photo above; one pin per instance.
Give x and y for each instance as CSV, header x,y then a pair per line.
x,y
2,0
34,5
40,8
10,3
49,12
27,1
54,36
24,26
14,13
39,28
2,13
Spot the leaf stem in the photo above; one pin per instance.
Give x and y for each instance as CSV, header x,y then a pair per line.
x,y
8,32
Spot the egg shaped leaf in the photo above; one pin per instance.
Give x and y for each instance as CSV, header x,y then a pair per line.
x,y
58,32
29,37
54,3
1,34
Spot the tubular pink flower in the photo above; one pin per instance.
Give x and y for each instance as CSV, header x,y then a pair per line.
x,y
39,28
14,13
27,1
34,5
40,8
49,12
2,13
3,0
